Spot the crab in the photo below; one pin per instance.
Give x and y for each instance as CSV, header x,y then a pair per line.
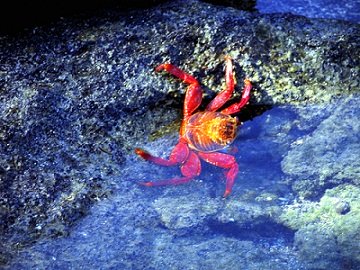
x,y
203,133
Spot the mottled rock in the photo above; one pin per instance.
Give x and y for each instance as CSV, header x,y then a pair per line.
x,y
326,238
219,253
328,155
185,212
329,9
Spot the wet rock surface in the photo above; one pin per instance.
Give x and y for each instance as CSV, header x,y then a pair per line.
x,y
320,226
329,9
327,156
78,96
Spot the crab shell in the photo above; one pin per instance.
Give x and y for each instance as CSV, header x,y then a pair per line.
x,y
209,131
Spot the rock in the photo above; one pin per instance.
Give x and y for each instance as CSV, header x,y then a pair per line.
x,y
240,218
326,238
342,207
218,253
315,9
328,155
188,212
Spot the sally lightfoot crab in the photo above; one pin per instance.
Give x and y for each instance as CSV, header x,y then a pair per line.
x,y
203,133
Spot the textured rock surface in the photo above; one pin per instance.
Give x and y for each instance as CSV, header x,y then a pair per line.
x,y
220,252
328,155
330,9
76,97
330,226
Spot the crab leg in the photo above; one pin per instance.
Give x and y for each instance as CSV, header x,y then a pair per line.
x,y
190,169
193,94
177,72
178,155
226,93
223,161
192,100
234,108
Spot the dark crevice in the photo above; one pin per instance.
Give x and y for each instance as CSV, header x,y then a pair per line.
x,y
267,231
18,15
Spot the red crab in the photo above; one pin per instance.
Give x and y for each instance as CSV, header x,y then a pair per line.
x,y
203,133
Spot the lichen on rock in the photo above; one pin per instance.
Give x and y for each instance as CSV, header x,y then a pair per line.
x,y
325,236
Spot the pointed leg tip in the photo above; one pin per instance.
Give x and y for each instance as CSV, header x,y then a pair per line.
x,y
146,184
226,193
140,152
159,68
247,81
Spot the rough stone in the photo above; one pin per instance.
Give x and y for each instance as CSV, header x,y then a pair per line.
x,y
328,155
326,238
